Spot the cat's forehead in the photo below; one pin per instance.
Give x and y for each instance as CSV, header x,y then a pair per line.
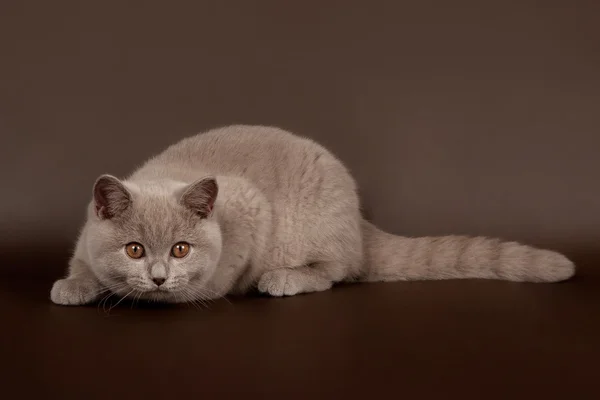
x,y
158,219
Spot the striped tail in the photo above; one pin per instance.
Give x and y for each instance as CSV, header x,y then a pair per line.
x,y
395,258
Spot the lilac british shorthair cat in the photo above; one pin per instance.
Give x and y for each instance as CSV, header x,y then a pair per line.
x,y
246,207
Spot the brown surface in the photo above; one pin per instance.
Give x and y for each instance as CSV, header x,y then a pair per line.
x,y
455,117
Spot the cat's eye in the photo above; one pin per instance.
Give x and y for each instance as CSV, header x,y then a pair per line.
x,y
134,250
180,250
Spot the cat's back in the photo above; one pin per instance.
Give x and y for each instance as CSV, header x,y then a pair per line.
x,y
227,149
267,156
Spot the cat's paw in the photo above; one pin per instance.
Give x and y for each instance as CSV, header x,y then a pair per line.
x,y
291,281
279,282
72,292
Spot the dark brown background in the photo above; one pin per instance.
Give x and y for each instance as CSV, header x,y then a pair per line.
x,y
475,117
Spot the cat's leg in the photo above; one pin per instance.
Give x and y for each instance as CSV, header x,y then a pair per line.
x,y
339,242
305,279
80,287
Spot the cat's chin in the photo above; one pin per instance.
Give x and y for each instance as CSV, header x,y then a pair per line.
x,y
163,296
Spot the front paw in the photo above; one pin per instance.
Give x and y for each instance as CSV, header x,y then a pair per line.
x,y
277,282
291,281
72,292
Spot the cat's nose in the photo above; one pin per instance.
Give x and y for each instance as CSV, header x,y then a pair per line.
x,y
158,281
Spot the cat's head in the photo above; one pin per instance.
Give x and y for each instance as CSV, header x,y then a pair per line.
x,y
155,240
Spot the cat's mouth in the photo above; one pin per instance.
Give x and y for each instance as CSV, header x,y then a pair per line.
x,y
160,295
160,291
167,294
143,287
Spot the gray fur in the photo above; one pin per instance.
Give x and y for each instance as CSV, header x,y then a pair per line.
x,y
261,207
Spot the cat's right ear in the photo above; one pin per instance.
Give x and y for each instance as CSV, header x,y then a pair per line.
x,y
111,197
200,196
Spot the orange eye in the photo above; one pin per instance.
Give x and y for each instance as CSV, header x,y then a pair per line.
x,y
180,250
134,250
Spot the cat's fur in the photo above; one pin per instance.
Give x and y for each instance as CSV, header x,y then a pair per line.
x,y
262,207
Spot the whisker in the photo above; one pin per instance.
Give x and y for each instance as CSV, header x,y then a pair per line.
x,y
136,295
111,287
104,300
202,298
188,300
192,299
108,292
184,294
121,299
216,296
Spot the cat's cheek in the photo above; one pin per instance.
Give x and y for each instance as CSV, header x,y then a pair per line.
x,y
101,274
113,269
199,268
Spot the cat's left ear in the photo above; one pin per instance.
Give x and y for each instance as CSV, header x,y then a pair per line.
x,y
200,196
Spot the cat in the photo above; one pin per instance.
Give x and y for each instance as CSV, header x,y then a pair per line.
x,y
254,207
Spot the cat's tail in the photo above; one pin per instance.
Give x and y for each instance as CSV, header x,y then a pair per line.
x,y
393,258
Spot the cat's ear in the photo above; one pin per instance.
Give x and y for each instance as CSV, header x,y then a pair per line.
x,y
111,197
200,196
